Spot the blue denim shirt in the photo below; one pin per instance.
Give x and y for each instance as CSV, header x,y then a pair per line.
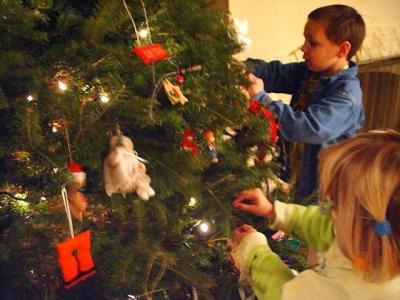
x,y
334,114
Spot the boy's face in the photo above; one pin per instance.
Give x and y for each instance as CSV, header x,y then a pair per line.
x,y
320,54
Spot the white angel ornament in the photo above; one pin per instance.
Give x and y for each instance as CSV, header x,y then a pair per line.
x,y
123,170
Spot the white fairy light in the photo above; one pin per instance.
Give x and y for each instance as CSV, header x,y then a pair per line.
x,y
29,98
143,33
54,129
204,227
192,202
62,86
42,198
104,97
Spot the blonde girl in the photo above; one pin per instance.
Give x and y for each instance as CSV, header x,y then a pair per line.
x,y
360,178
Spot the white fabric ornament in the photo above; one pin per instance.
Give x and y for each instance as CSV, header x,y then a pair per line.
x,y
123,170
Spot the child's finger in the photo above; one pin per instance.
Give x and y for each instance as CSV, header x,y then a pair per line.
x,y
246,194
243,206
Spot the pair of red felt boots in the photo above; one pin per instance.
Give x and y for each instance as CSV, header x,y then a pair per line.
x,y
75,259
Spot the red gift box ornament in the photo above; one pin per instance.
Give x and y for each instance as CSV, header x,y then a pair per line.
x,y
74,254
151,53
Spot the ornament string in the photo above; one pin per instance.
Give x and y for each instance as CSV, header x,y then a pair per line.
x,y
147,21
195,68
159,275
67,138
133,22
64,196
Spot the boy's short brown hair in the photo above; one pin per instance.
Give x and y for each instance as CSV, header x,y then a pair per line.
x,y
343,23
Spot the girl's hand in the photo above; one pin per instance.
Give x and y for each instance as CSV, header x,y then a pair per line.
x,y
254,201
240,232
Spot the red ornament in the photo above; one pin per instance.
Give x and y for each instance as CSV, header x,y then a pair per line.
x,y
257,108
77,201
151,53
188,142
180,78
75,259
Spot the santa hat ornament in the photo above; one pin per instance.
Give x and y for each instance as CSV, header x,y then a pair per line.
x,y
76,172
76,180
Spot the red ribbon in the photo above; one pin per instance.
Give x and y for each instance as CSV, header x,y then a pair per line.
x,y
256,108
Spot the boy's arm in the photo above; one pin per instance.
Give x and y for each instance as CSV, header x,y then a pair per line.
x,y
321,122
306,223
267,272
277,77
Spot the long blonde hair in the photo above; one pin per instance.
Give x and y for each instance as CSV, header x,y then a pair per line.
x,y
362,177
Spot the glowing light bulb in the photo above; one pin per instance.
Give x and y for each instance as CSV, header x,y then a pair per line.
x,y
204,227
62,86
104,97
143,33
29,98
54,129
42,198
192,202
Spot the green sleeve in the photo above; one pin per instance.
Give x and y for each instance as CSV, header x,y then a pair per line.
x,y
306,223
267,272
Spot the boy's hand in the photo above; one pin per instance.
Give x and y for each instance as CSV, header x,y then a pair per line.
x,y
254,202
256,86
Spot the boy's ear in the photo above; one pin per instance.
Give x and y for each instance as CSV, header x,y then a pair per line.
x,y
344,49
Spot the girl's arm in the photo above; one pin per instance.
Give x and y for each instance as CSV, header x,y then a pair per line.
x,y
306,223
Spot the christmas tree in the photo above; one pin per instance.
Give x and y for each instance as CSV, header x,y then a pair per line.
x,y
75,75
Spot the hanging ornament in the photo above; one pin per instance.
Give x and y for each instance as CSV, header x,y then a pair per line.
x,y
257,108
174,93
210,139
278,236
180,78
188,142
75,182
124,170
151,53
74,255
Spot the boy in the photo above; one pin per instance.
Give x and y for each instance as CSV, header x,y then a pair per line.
x,y
326,105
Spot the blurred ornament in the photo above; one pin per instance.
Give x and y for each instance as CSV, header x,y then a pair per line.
x,y
180,78
75,182
293,244
123,170
278,236
242,28
210,139
174,93
56,125
188,142
257,108
360,264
